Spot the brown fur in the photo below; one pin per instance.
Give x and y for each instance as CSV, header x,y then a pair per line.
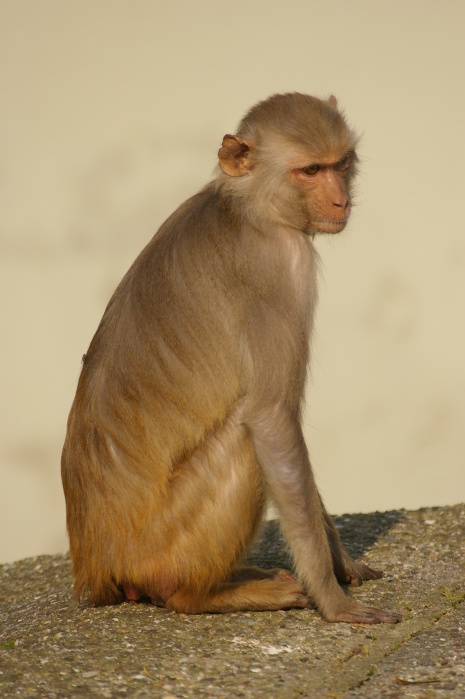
x,y
187,413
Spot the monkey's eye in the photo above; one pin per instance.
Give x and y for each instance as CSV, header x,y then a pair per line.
x,y
343,163
311,169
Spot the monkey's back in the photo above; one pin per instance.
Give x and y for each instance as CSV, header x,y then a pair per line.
x,y
169,362
166,337
160,373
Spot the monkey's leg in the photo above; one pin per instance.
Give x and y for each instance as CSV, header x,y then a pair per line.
x,y
256,573
243,592
252,595
283,456
239,575
211,512
346,569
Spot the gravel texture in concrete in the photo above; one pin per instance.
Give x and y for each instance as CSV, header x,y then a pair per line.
x,y
52,647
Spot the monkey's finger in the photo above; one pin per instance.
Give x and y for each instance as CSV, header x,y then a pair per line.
x,y
367,615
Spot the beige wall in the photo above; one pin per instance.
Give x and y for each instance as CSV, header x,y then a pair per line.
x,y
111,114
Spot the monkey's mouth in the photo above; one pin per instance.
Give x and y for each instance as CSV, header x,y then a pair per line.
x,y
328,226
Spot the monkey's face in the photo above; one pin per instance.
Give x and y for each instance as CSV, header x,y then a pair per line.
x,y
324,188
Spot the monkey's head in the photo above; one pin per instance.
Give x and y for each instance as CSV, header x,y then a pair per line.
x,y
292,161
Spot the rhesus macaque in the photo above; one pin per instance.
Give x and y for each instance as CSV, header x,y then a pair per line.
x,y
187,415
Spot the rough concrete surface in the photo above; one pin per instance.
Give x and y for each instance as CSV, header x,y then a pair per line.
x,y
52,647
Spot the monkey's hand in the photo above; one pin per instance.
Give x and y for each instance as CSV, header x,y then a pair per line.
x,y
356,614
337,606
350,572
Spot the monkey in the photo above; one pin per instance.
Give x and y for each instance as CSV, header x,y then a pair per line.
x,y
187,417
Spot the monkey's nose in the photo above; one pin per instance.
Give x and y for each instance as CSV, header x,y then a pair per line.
x,y
341,201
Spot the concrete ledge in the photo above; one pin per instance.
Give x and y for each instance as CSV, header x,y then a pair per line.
x,y
52,647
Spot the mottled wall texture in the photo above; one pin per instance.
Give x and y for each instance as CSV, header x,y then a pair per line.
x,y
112,113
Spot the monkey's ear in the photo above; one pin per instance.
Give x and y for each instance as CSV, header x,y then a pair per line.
x,y
234,155
333,101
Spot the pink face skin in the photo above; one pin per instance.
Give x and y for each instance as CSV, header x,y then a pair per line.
x,y
328,201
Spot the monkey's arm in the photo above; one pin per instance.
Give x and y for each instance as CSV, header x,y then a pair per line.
x,y
283,457
346,569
